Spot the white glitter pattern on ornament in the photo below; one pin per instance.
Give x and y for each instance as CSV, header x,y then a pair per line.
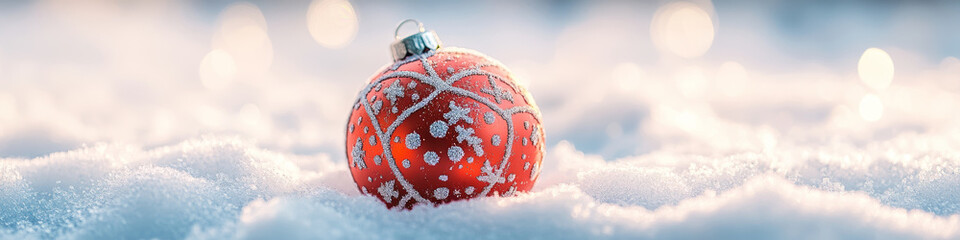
x,y
497,92
455,153
413,141
377,106
393,92
457,113
387,191
357,154
431,158
533,172
441,193
438,129
535,135
488,175
466,134
488,117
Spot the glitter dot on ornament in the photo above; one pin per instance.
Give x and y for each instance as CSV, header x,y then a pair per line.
x,y
447,107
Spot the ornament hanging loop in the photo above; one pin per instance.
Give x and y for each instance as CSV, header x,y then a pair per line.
x,y
396,32
416,44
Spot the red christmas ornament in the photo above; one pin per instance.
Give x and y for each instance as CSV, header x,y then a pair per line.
x,y
443,124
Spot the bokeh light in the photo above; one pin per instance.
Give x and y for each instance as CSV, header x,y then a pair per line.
x,y
875,68
691,82
628,76
871,108
731,79
242,33
332,23
683,29
217,70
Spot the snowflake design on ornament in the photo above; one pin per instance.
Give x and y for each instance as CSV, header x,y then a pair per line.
x,y
497,92
357,154
456,117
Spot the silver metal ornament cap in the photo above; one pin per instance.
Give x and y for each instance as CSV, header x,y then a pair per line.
x,y
418,43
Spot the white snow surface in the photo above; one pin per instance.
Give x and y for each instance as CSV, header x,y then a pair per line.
x,y
224,188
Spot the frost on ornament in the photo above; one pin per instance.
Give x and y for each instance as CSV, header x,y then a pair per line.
x,y
440,122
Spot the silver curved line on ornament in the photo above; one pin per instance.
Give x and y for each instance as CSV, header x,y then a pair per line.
x,y
384,138
440,86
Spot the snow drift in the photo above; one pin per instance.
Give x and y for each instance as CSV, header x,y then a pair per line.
x,y
216,188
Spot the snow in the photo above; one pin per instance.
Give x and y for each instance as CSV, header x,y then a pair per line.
x,y
216,187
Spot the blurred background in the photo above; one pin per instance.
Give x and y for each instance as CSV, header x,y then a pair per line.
x,y
614,78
